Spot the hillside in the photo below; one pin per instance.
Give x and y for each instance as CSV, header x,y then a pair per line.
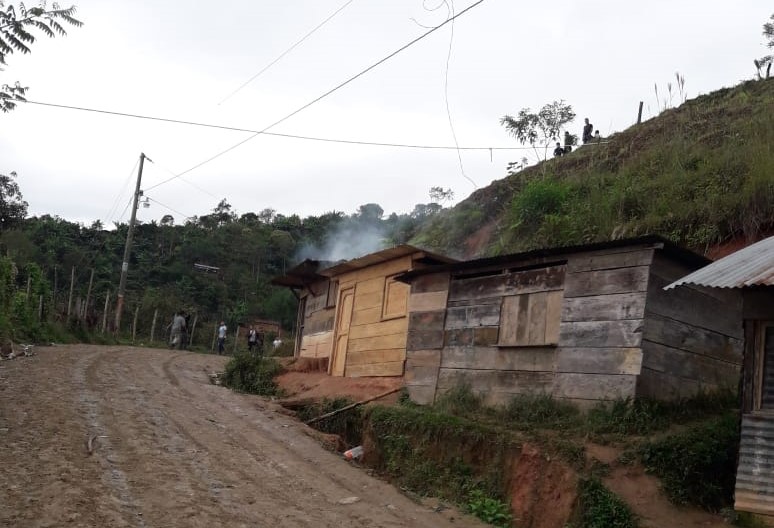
x,y
700,174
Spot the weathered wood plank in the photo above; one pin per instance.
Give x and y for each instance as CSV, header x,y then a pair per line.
x,y
599,360
613,307
535,280
424,358
381,342
424,339
472,316
321,321
375,369
532,359
420,375
604,282
594,386
423,395
474,302
536,314
485,335
511,317
604,260
688,365
458,337
367,316
374,285
554,302
368,300
435,282
486,381
383,269
425,302
427,320
693,306
669,332
374,356
395,299
664,386
758,304
392,326
601,334
317,345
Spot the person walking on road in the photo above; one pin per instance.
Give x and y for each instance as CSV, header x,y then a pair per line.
x,y
176,334
222,337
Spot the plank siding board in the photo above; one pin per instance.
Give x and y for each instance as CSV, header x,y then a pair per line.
x,y
421,394
375,356
603,261
669,332
486,335
542,279
424,339
381,342
697,367
664,386
423,302
368,316
458,337
601,334
536,315
531,359
424,358
427,320
475,302
614,307
604,282
554,301
485,381
430,283
595,386
375,369
368,300
393,326
420,375
599,360
317,345
374,285
472,316
380,270
693,306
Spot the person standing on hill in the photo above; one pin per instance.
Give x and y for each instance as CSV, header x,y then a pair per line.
x,y
588,129
252,339
222,337
558,151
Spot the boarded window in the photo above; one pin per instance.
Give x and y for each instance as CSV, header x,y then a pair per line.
x,y
767,351
395,302
531,319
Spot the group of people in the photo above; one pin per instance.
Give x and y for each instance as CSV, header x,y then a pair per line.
x,y
254,339
587,137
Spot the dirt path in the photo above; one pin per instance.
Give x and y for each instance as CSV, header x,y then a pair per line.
x,y
169,449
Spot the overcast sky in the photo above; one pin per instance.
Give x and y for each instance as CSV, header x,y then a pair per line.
x,y
181,59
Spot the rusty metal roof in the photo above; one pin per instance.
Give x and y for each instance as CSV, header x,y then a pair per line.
x,y
383,256
751,266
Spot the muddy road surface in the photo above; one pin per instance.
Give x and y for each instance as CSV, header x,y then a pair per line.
x,y
134,437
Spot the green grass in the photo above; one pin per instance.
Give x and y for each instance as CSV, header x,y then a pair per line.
x,y
252,374
601,508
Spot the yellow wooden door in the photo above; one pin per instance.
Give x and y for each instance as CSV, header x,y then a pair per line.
x,y
343,321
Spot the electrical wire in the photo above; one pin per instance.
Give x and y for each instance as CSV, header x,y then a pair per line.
x,y
113,208
189,182
323,96
281,55
168,208
273,134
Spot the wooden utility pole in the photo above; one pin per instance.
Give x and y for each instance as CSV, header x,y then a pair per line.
x,y
128,248
105,313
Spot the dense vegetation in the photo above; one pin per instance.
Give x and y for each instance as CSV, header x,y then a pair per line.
x,y
248,250
698,174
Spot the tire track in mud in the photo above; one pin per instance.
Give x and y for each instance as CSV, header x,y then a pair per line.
x,y
281,451
113,476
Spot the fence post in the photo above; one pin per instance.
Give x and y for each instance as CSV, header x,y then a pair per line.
x,y
40,308
88,294
153,325
70,299
134,323
104,314
193,327
236,337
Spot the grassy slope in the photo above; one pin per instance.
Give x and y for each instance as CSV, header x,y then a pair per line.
x,y
698,174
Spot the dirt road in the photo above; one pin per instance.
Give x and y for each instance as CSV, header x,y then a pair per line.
x,y
169,449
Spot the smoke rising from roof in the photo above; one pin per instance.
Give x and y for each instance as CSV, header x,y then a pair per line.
x,y
348,242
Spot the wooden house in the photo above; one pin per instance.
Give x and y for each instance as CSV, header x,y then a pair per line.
x,y
585,324
354,313
749,275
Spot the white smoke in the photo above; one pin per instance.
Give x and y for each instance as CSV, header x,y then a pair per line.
x,y
346,243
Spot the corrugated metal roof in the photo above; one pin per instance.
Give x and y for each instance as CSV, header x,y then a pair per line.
x,y
751,266
382,256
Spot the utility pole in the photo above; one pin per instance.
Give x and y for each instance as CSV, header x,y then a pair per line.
x,y
128,248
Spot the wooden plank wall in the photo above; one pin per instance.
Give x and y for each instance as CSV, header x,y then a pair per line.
x,y
693,337
599,356
499,360
377,343
317,339
427,314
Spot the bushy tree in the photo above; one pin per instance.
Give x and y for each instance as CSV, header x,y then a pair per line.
x,y
13,209
17,24
765,62
541,128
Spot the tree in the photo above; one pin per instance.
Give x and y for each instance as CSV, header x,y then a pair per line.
x,y
13,209
440,195
16,24
539,129
766,61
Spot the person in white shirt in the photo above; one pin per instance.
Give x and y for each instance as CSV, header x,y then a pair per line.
x,y
222,337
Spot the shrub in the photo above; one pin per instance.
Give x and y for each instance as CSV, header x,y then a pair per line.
x,y
491,511
539,409
697,466
601,508
538,199
252,374
459,401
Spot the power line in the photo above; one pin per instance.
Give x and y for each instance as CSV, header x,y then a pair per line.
x,y
169,208
326,94
114,207
291,48
274,134
189,182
